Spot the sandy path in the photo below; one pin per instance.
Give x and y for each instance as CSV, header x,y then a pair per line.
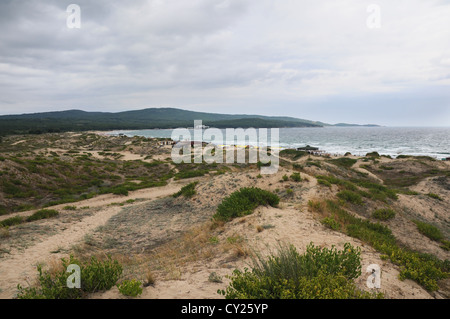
x,y
107,199
19,268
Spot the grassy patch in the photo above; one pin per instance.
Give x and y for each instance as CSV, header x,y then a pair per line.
x,y
434,196
243,202
42,214
331,223
383,214
16,220
313,163
296,177
187,191
293,154
350,196
429,230
343,162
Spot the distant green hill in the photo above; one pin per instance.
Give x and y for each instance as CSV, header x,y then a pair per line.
x,y
163,118
76,120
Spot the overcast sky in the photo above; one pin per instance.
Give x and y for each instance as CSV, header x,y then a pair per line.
x,y
317,60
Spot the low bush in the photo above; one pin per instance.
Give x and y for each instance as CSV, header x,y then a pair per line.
x,y
16,220
428,230
187,191
373,155
331,223
383,214
120,190
323,182
131,288
435,196
314,163
343,162
42,214
96,276
319,273
350,196
190,174
296,177
295,154
243,202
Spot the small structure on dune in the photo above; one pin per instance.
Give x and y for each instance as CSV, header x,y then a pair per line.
x,y
308,148
192,143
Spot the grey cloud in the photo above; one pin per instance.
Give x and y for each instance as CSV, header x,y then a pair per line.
x,y
277,56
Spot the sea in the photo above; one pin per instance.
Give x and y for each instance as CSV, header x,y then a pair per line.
x,y
360,140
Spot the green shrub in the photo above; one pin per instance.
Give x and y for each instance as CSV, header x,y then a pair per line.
x,y
285,178
243,202
373,155
130,288
296,177
42,214
95,276
16,220
445,244
435,196
331,223
343,162
328,180
320,273
383,214
428,230
323,182
120,190
190,174
295,154
187,191
350,196
313,163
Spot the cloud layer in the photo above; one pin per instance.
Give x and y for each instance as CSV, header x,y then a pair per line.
x,y
310,59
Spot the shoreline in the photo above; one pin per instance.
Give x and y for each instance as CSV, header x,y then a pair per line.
x,y
333,150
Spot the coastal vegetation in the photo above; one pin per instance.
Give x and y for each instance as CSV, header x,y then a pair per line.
x,y
243,202
319,273
425,269
39,181
210,213
187,191
96,275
